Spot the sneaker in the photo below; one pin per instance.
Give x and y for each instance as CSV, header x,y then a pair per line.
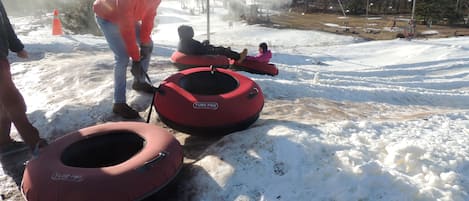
x,y
242,55
13,147
125,111
143,86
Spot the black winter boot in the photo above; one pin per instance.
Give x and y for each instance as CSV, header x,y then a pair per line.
x,y
125,111
143,86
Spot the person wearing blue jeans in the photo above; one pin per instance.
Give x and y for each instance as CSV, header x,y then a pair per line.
x,y
127,25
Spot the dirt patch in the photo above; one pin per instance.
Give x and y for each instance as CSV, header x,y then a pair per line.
x,y
371,28
319,111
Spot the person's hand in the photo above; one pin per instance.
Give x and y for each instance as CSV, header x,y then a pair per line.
x,y
206,43
137,70
22,54
145,51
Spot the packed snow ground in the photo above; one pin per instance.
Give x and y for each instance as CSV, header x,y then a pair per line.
x,y
344,120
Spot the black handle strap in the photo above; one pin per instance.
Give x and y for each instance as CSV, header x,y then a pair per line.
x,y
151,163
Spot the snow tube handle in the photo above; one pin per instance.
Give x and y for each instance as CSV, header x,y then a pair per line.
x,y
149,164
159,91
213,69
253,93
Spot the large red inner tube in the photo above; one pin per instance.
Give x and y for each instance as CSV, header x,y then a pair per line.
x,y
102,151
255,67
183,61
200,101
208,83
112,161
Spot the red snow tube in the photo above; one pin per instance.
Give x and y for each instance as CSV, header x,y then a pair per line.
x,y
112,161
208,102
183,61
255,67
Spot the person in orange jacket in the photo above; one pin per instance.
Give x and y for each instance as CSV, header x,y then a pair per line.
x,y
127,27
12,105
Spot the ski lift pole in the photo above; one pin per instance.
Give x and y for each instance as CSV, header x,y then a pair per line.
x,y
341,7
412,20
208,20
413,10
367,7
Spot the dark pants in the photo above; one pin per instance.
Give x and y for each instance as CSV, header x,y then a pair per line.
x,y
13,110
223,51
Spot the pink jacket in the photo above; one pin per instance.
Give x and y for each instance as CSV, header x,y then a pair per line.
x,y
126,13
261,57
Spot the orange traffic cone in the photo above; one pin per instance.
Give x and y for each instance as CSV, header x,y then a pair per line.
x,y
56,25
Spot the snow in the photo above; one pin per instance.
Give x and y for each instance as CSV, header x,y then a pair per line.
x,y
345,119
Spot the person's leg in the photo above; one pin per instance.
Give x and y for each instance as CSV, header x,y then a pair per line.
x,y
228,53
219,50
5,121
146,60
5,126
141,83
14,109
116,44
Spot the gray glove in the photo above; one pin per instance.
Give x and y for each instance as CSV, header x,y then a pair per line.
x,y
206,43
145,51
137,71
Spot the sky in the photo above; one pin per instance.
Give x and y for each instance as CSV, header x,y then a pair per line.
x,y
345,119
